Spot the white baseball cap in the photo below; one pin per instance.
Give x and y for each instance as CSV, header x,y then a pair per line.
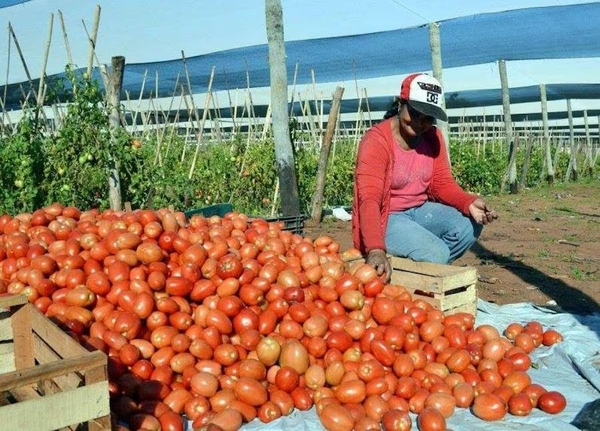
x,y
425,94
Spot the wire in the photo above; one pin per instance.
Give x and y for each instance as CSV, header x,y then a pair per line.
x,y
427,20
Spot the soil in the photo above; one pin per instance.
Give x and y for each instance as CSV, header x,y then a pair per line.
x,y
543,249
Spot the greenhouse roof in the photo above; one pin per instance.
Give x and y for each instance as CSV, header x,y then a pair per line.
x,y
522,34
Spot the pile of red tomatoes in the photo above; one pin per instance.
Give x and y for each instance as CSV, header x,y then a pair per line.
x,y
222,320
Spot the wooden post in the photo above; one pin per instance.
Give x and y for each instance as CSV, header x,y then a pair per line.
x,y
284,154
546,136
511,174
317,203
436,66
587,169
114,92
525,167
572,167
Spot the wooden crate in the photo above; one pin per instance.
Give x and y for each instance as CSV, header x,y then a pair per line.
x,y
451,289
48,380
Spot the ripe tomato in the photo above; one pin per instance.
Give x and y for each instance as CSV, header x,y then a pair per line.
x,y
551,337
489,407
552,402
229,266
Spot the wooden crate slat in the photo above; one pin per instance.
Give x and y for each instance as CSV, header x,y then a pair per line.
x,y
430,276
7,357
65,386
6,333
18,378
25,393
58,410
23,337
48,331
462,300
7,301
45,355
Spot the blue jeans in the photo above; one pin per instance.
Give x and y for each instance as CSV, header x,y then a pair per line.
x,y
433,232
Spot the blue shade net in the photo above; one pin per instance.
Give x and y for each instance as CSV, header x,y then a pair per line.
x,y
522,34
7,3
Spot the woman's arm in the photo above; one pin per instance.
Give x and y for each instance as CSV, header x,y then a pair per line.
x,y
372,166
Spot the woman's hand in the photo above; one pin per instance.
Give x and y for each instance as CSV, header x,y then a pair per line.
x,y
377,258
481,213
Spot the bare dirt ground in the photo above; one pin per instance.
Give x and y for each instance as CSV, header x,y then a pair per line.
x,y
543,249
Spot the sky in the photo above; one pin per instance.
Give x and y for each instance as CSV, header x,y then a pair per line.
x,y
155,30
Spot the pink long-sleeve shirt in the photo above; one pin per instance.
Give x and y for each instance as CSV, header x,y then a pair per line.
x,y
380,186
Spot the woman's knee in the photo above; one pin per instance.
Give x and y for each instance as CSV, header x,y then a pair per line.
x,y
439,253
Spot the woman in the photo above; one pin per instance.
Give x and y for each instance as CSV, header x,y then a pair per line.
x,y
406,201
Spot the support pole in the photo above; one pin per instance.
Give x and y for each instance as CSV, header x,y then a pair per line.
x,y
436,66
511,174
317,204
114,118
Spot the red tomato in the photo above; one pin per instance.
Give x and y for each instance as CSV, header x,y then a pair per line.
x,y
552,402
520,405
229,266
430,419
489,407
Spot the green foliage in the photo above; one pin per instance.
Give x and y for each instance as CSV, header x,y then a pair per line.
x,y
77,154
20,168
478,173
71,164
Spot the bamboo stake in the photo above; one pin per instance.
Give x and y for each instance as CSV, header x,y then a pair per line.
x,y
206,106
304,122
65,37
251,112
173,128
319,114
275,197
368,107
246,148
92,40
233,110
14,36
293,90
128,99
267,123
174,93
189,122
103,75
217,119
8,122
311,121
141,94
236,128
40,100
191,93
358,114
3,100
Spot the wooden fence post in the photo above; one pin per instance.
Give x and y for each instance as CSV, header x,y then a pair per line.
x,y
114,92
511,174
317,203
436,66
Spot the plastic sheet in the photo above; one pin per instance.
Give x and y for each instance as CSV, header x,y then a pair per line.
x,y
571,367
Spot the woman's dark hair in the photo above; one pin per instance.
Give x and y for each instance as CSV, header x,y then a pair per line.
x,y
394,108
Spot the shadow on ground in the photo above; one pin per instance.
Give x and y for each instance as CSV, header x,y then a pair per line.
x,y
567,298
